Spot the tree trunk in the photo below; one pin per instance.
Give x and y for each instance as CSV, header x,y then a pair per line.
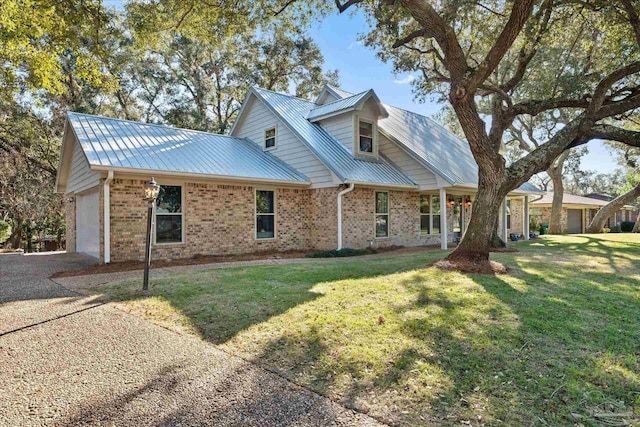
x,y
16,237
555,224
636,228
611,208
478,238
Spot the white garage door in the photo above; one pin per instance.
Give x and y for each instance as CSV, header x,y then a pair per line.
x,y
88,224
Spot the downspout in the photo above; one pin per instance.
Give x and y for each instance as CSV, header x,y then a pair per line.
x,y
107,217
340,194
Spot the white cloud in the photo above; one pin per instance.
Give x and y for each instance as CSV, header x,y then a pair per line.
x,y
356,44
405,80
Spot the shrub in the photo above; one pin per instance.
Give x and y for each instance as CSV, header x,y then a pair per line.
x,y
5,231
627,226
341,253
616,229
606,230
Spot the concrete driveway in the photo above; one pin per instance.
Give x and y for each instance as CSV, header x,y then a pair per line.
x,y
68,359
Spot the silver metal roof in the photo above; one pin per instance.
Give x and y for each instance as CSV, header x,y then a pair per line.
x,y
437,148
125,144
342,105
335,156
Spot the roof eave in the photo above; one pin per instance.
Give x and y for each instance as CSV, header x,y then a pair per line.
x,y
383,184
157,172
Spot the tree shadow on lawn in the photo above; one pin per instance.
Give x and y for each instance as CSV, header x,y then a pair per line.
x,y
524,349
429,346
218,304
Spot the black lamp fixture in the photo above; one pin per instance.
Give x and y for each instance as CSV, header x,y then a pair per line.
x,y
151,191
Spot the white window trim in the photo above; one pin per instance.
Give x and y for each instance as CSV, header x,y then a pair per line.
x,y
430,214
255,214
275,139
356,140
155,214
376,214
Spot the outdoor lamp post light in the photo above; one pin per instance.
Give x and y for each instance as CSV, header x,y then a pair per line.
x,y
151,190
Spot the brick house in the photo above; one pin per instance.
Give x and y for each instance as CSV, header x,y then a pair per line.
x,y
343,171
578,211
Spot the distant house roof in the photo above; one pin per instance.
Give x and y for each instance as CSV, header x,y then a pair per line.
x,y
343,105
334,155
120,144
599,196
437,148
572,199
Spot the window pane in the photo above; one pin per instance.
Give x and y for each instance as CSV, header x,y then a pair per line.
x,y
382,202
382,225
424,224
270,133
265,226
264,202
366,144
436,224
169,199
270,142
435,200
424,204
169,228
366,129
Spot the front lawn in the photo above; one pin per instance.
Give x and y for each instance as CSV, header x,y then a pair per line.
x,y
555,342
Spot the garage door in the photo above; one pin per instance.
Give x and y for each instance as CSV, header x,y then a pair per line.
x,y
88,224
574,220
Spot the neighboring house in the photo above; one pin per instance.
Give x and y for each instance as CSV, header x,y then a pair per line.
x,y
578,211
344,171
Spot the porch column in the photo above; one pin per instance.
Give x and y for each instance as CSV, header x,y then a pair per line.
x,y
444,234
505,232
525,221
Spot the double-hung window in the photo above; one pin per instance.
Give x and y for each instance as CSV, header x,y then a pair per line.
x,y
265,214
429,214
382,214
169,214
365,137
270,138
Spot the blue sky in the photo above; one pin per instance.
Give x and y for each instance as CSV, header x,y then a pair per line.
x,y
337,37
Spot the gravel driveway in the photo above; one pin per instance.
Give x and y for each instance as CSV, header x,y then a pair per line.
x,y
67,359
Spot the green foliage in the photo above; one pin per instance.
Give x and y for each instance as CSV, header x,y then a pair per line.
x,y
615,229
627,226
344,252
5,230
35,33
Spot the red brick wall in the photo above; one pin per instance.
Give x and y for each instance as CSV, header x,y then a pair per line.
x,y
220,219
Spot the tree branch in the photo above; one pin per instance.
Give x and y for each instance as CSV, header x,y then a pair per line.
x,y
409,37
520,13
346,5
614,133
634,19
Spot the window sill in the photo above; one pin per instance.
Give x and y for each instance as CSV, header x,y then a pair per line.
x,y
270,148
170,244
381,238
263,239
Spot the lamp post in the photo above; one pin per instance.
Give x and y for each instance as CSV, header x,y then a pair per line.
x,y
151,190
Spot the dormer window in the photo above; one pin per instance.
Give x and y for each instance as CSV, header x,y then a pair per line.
x,y
270,139
365,137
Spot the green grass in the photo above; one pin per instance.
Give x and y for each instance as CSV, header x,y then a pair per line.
x,y
555,342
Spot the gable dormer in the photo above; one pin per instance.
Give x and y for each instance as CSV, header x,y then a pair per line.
x,y
352,120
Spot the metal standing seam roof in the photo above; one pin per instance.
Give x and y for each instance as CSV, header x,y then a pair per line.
x,y
437,148
293,112
126,144
338,106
